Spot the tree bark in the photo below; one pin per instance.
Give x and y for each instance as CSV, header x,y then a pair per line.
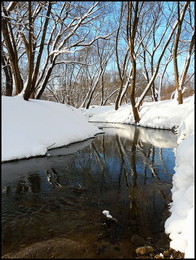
x,y
175,50
132,93
131,32
30,54
12,54
8,76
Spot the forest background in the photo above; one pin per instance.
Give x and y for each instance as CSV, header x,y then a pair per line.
x,y
98,53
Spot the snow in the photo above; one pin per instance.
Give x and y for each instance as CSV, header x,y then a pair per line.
x,y
163,114
180,225
30,128
107,214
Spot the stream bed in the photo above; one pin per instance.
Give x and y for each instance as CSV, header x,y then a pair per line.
x,y
52,207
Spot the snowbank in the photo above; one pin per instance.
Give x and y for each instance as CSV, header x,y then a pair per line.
x,y
180,225
30,128
165,114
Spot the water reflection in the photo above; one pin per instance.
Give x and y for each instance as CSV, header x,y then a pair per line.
x,y
120,171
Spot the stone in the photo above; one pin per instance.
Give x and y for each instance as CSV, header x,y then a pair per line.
x,y
166,253
159,256
144,250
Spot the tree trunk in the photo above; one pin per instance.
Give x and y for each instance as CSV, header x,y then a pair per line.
x,y
131,32
175,52
11,48
118,96
8,76
132,94
45,81
180,99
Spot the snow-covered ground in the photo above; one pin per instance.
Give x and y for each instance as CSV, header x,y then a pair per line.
x,y
180,225
30,128
163,114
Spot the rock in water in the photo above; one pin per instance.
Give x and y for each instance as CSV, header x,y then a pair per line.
x,y
144,250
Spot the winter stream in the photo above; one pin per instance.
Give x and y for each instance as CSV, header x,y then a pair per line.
x,y
52,207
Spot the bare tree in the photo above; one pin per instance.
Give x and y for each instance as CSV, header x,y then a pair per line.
x,y
181,77
150,41
161,76
97,57
45,31
11,44
104,53
122,68
134,10
140,100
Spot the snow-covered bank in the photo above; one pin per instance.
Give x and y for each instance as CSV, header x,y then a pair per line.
x,y
180,225
29,128
163,114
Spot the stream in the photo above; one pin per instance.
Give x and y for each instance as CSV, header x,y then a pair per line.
x,y
52,206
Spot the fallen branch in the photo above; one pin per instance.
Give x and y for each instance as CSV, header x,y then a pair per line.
x,y
50,146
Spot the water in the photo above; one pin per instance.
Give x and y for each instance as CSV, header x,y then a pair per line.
x,y
53,206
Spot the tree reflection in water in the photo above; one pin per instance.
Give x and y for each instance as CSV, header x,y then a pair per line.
x,y
127,171
142,173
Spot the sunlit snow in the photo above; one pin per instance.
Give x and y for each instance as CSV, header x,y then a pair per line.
x,y
30,128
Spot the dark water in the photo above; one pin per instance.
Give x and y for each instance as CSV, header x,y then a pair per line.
x,y
57,201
